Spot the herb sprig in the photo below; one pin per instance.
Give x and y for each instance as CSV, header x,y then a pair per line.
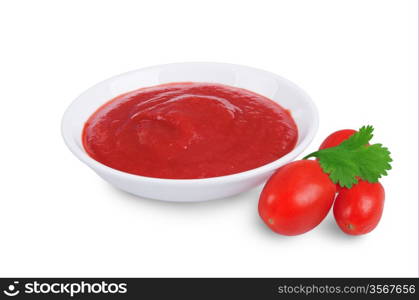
x,y
354,159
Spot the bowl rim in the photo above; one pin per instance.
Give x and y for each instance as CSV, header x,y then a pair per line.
x,y
270,167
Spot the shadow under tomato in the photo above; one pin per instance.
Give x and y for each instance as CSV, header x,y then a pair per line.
x,y
328,228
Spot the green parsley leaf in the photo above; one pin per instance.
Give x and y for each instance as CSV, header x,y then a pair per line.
x,y
362,137
354,159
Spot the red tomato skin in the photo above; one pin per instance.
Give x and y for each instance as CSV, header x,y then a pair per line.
x,y
336,138
296,198
359,209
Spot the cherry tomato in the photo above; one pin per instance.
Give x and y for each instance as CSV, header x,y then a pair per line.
x,y
358,210
296,198
336,138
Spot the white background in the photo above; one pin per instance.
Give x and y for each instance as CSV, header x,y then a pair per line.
x,y
357,59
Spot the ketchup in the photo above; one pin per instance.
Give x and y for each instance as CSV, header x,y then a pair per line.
x,y
189,130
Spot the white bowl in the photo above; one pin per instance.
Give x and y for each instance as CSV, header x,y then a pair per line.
x,y
287,94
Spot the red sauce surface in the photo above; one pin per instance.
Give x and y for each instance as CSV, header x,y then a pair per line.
x,y
189,130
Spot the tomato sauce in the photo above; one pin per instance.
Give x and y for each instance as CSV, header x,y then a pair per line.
x,y
189,130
